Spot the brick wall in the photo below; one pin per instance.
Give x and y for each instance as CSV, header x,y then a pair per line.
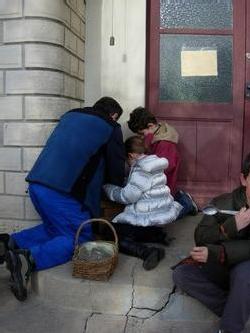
x,y
41,77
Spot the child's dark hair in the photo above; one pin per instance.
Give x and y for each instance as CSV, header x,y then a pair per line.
x,y
135,144
109,106
140,118
245,169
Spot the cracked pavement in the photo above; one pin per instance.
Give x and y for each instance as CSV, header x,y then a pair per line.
x,y
131,301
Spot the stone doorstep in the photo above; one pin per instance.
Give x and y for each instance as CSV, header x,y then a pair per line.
x,y
123,291
131,301
129,288
123,294
120,324
126,303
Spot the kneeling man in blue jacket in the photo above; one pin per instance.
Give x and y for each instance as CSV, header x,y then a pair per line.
x,y
84,150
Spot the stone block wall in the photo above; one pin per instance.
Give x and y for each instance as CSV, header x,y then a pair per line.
x,y
41,76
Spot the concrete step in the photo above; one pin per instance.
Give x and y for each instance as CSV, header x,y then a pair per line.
x,y
131,301
42,316
129,287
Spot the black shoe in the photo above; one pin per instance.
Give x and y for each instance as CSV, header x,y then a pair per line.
x,y
4,239
19,267
152,257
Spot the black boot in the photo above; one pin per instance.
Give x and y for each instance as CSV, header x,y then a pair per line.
x,y
4,239
150,255
20,267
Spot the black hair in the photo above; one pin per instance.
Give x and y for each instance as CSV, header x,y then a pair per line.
x,y
108,106
140,118
135,144
245,169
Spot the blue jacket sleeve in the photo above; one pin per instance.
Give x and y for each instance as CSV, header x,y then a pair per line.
x,y
115,158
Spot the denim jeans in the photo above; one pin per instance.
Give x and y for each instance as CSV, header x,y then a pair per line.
x,y
186,203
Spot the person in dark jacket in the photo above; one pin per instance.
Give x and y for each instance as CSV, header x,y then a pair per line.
x,y
218,271
84,151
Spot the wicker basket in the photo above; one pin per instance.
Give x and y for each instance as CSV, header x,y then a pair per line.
x,y
100,269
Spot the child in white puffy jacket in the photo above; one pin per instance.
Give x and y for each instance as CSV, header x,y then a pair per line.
x,y
149,204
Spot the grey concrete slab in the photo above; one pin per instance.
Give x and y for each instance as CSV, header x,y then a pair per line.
x,y
183,231
34,315
58,286
99,323
151,288
141,313
152,298
131,301
116,299
113,296
7,299
134,325
129,287
160,326
183,307
153,325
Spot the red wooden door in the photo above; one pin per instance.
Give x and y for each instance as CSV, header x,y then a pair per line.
x,y
195,81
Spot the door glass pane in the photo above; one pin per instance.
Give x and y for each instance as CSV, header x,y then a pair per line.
x,y
204,14
196,68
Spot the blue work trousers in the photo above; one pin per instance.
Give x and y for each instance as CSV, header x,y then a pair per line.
x,y
51,243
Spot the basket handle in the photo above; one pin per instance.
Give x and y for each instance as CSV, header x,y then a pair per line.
x,y
95,220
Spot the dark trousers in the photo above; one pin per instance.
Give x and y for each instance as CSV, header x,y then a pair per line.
x,y
132,238
233,305
139,234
